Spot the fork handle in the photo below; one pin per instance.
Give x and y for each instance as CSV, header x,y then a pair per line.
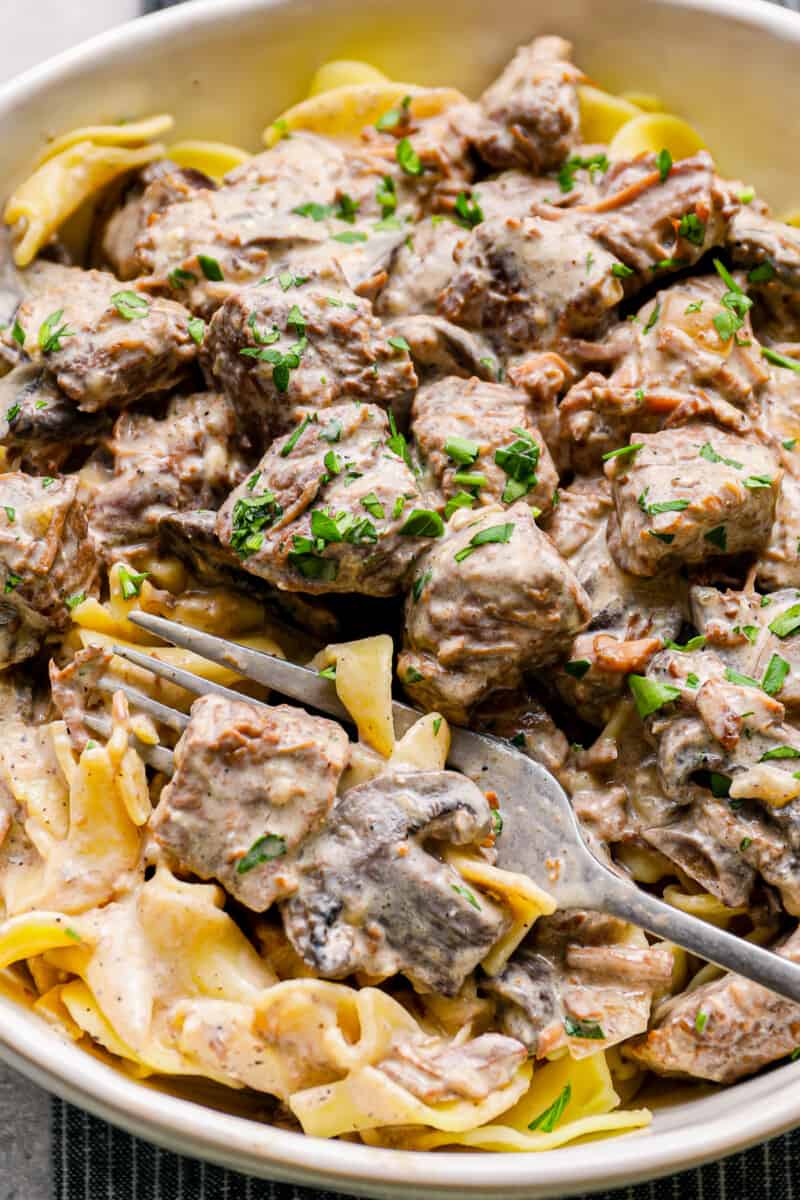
x,y
772,970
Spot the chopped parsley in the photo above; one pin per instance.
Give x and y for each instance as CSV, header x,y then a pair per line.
x,y
422,522
623,451
13,412
518,739
51,333
660,506
413,676
577,668
462,450
263,850
497,816
283,362
780,360
692,680
468,210
547,1120
695,643
74,600
407,157
464,891
692,228
399,343
350,237
420,583
519,461
305,556
386,196
708,452
197,329
745,843
130,305
251,516
495,533
649,695
10,512
372,504
328,672
738,678
179,278
12,581
286,280
701,1020
437,725
758,481
664,164
763,273
788,622
460,500
568,170
718,536
210,268
48,481
775,675
397,442
621,270
590,1030
130,583
652,320
695,306
780,752
394,116
789,443
18,333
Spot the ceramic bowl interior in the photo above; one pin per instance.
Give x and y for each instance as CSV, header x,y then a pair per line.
x,y
226,67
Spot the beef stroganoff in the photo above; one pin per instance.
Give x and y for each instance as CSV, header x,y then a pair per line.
x,y
493,403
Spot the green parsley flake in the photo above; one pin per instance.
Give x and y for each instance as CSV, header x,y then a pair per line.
x,y
11,513
130,583
568,170
394,116
18,333
422,522
718,536
328,672
775,675
763,273
695,643
519,461
407,157
652,320
350,237
787,623
577,668
263,850
74,600
464,891
708,452
780,752
251,516
623,451
130,305
468,210
210,268
197,329
664,164
692,228
386,196
460,500
590,1030
547,1120
701,1020
420,583
179,278
497,818
462,450
649,695
398,343
12,581
738,678
621,270
51,333
495,533
780,360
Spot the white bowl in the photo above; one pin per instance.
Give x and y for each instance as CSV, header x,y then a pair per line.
x,y
224,67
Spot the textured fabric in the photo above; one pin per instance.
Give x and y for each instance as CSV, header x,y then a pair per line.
x,y
93,1161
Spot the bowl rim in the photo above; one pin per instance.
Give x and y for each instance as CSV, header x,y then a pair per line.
x,y
28,1044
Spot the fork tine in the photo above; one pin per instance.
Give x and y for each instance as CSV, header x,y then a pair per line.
x,y
155,756
154,708
184,679
301,683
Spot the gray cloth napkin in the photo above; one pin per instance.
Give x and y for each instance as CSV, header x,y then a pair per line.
x,y
93,1161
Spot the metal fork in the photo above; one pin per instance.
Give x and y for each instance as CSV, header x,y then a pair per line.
x,y
541,836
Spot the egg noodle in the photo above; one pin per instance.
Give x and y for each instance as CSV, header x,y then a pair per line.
x,y
149,969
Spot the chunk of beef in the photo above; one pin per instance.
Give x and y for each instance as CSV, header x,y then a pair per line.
x,y
74,690
723,1030
529,116
39,425
188,458
372,898
582,981
746,630
77,334
330,508
274,350
690,494
759,241
46,556
691,843
672,364
251,784
306,199
462,427
631,618
544,377
439,348
491,600
655,225
191,536
527,282
519,717
125,217
437,1070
